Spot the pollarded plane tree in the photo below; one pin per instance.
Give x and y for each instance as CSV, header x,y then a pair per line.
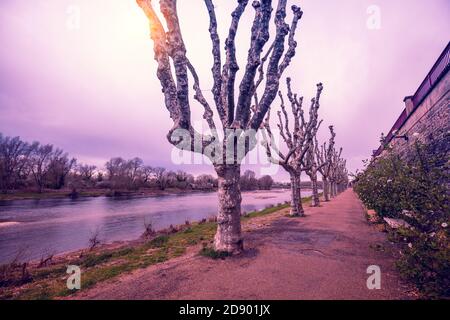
x,y
334,168
324,158
297,141
239,122
339,174
342,177
311,168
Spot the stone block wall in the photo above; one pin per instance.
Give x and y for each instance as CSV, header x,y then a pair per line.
x,y
430,120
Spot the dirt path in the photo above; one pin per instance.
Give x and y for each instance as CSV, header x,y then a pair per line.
x,y
322,256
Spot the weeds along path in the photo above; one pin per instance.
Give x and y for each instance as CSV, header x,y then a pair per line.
x,y
322,256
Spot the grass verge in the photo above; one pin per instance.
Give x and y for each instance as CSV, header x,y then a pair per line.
x,y
104,264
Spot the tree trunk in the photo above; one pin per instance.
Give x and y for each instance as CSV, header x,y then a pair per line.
x,y
296,198
333,189
326,189
315,196
228,236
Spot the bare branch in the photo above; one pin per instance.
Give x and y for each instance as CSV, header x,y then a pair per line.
x,y
273,74
271,142
259,37
217,65
177,51
302,145
164,73
231,67
292,44
208,114
169,45
286,122
296,107
261,68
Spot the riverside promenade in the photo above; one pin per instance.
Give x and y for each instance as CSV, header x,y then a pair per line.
x,y
324,255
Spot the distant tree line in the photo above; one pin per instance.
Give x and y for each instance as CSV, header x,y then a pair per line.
x,y
38,167
249,182
23,165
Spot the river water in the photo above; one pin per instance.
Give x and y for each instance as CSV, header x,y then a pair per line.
x,y
36,227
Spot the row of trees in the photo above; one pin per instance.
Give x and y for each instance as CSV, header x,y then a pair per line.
x,y
249,181
240,118
33,165
304,153
25,166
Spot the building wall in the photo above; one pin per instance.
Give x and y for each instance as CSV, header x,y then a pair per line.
x,y
430,120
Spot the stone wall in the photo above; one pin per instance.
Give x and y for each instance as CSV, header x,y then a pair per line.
x,y
430,120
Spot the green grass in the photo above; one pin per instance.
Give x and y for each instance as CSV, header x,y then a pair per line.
x,y
50,282
264,212
158,241
213,254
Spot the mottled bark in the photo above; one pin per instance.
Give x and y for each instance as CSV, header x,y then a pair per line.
x,y
315,190
311,171
296,196
341,175
335,170
228,237
260,36
274,72
173,70
324,158
311,168
217,64
326,189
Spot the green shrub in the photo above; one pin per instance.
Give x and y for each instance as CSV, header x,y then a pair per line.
x,y
414,186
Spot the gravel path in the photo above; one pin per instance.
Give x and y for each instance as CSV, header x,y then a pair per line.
x,y
322,256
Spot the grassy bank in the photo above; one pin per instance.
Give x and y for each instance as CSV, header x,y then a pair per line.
x,y
105,263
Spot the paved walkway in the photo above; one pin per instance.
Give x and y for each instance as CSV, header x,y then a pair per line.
x,y
322,256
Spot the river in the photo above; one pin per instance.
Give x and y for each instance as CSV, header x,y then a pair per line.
x,y
36,227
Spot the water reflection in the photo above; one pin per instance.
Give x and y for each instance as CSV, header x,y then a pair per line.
x,y
60,225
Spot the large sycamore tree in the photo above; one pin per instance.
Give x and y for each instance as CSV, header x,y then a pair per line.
x,y
239,117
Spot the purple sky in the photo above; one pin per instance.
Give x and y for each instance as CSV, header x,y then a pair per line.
x,y
93,90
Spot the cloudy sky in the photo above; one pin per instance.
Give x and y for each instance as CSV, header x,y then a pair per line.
x,y
80,74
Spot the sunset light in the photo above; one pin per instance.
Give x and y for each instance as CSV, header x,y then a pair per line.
x,y
224,154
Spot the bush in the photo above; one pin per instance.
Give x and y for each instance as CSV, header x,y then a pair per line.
x,y
425,261
414,186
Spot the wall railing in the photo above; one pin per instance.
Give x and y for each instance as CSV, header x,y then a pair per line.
x,y
439,69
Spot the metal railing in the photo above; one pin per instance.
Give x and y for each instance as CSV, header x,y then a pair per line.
x,y
438,70
397,125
